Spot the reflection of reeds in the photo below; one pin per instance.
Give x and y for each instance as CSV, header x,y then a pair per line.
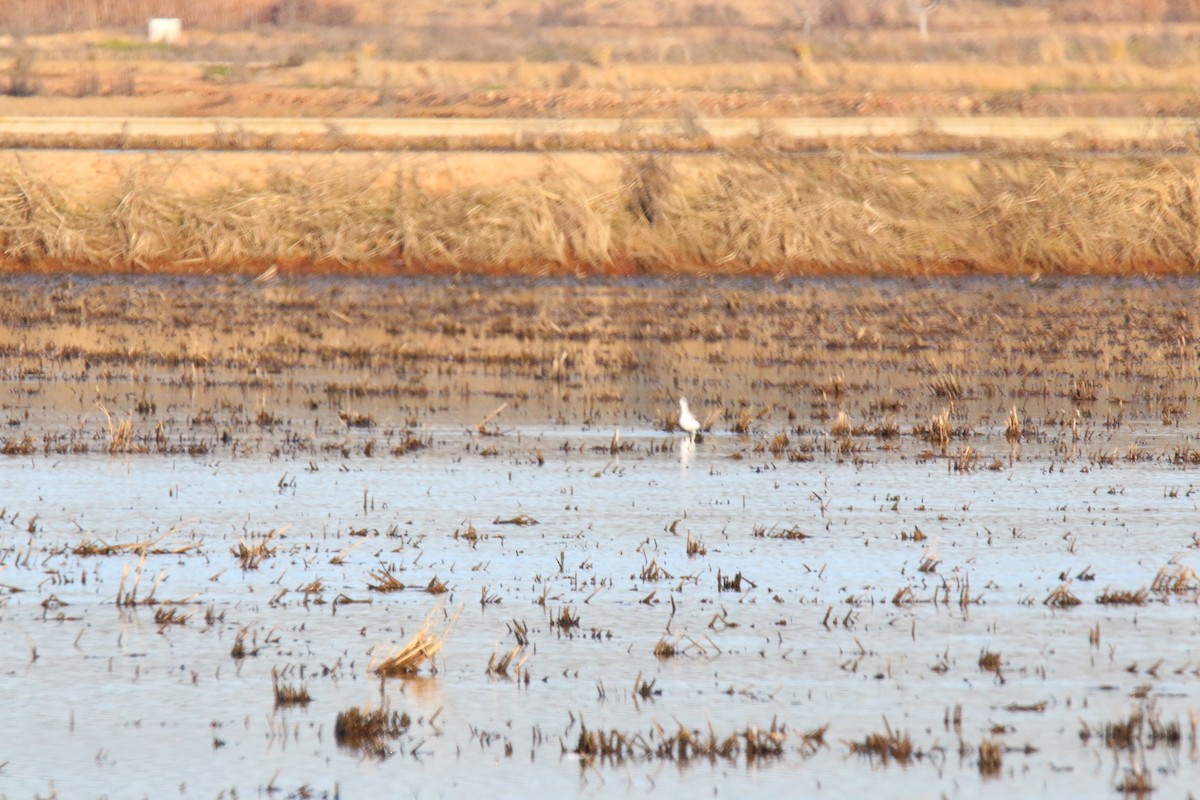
x,y
288,695
368,730
1144,727
1116,597
685,744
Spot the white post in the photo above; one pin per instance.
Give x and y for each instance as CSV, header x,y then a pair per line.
x,y
164,30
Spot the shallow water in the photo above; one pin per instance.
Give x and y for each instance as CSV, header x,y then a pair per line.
x,y
102,701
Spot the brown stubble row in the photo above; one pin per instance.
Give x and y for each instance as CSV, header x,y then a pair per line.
x,y
811,370
750,213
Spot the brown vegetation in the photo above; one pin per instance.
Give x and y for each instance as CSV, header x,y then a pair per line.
x,y
756,214
370,730
420,649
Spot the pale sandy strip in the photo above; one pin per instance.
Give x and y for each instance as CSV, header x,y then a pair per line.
x,y
1146,128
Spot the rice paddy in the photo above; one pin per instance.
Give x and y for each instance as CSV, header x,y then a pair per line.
x,y
301,537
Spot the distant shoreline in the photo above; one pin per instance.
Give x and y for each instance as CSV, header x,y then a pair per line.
x,y
969,134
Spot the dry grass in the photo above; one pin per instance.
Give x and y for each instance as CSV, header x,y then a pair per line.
x,y
653,572
754,213
253,551
1117,597
1061,597
667,649
990,661
499,663
384,581
1176,579
790,534
737,583
887,746
991,755
129,597
1012,431
92,545
565,620
420,649
169,616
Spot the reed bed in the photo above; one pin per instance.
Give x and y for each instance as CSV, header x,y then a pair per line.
x,y
748,213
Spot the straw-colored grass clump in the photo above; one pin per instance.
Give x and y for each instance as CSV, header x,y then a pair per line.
x,y
420,649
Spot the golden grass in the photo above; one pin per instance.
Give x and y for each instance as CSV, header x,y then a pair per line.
x,y
499,663
1177,579
887,746
753,213
384,581
1061,597
991,757
653,572
420,649
92,545
129,598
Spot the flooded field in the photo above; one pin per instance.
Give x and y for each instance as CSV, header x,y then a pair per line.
x,y
297,538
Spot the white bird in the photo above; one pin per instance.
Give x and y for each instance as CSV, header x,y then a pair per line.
x,y
687,420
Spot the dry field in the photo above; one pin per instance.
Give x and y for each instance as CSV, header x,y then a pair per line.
x,y
639,106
